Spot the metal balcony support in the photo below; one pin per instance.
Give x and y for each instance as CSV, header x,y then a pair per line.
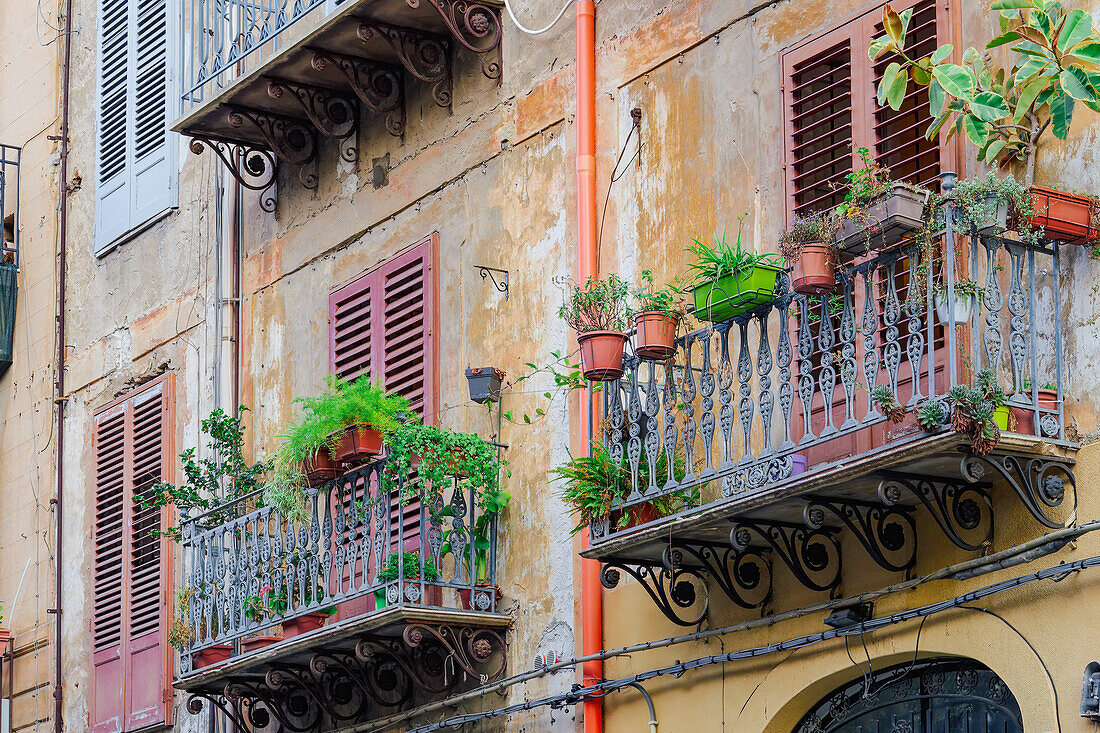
x,y
887,533
291,139
1039,483
253,167
963,511
476,26
673,587
812,555
380,87
745,577
334,115
427,57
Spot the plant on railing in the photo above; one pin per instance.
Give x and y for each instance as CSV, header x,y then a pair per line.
x,y
265,604
1055,57
931,415
728,280
882,396
809,246
438,455
180,633
409,568
979,203
862,187
211,483
599,313
975,408
658,311
595,487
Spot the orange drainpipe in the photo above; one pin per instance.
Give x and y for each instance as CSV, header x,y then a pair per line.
x,y
588,264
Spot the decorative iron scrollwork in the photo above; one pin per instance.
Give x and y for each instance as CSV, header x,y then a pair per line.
x,y
334,115
888,533
812,555
253,167
476,26
426,57
1038,482
675,590
745,577
291,139
963,511
471,647
380,87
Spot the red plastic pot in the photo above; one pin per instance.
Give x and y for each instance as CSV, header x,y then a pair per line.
x,y
655,339
303,624
464,595
1025,418
253,643
815,269
358,444
212,655
602,354
320,468
1063,216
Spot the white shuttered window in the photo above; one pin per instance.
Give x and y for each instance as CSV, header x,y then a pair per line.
x,y
135,165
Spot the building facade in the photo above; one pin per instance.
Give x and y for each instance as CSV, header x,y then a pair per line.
x,y
253,196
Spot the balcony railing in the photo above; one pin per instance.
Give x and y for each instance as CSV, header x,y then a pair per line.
x,y
331,558
748,403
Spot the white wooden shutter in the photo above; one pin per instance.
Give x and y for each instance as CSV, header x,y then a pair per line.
x,y
136,170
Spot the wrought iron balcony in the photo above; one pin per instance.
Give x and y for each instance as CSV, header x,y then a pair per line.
x,y
248,570
267,81
9,251
769,416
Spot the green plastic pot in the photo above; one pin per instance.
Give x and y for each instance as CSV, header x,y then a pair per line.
x,y
735,294
1000,417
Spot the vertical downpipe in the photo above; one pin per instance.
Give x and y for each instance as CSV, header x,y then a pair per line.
x,y
63,229
587,265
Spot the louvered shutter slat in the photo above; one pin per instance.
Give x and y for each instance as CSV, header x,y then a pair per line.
x,y
113,190
154,179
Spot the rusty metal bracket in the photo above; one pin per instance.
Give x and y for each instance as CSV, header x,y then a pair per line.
x,y
380,87
253,167
427,57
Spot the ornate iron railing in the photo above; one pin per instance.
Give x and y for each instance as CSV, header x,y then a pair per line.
x,y
746,402
9,204
354,524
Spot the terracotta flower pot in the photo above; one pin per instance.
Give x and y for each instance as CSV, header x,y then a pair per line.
x,y
656,335
602,354
5,637
303,624
636,514
358,444
1063,216
464,595
815,269
212,655
320,468
253,643
1025,417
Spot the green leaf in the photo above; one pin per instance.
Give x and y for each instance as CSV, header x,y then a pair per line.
x,y
993,149
1076,27
1076,84
1012,4
955,80
1088,51
1003,39
942,52
878,47
547,395
1042,24
937,99
975,129
1027,97
526,418
934,129
1061,112
891,22
921,75
988,106
891,90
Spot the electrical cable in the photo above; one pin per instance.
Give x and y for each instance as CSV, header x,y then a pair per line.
x,y
616,175
540,31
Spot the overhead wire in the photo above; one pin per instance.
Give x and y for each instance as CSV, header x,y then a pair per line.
x,y
539,31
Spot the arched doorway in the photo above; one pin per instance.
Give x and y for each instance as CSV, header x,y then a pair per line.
x,y
944,695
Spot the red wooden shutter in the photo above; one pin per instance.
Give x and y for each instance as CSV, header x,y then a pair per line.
x,y
130,654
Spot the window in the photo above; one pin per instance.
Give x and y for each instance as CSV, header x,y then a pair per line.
x,y
131,665
831,110
135,167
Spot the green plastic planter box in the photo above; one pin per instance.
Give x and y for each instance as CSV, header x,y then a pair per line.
x,y
733,295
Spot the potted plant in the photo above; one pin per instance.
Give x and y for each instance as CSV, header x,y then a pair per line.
x,y
484,384
595,487
931,415
956,312
307,622
598,312
977,409
437,455
1004,111
730,280
492,504
877,212
990,205
658,312
181,634
808,247
410,568
1024,415
883,398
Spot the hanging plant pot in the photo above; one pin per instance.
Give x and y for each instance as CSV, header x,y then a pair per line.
x,y
1001,417
1025,416
320,468
815,269
358,444
602,354
888,220
732,295
491,593
1063,216
484,384
999,221
949,313
303,624
212,655
253,643
655,338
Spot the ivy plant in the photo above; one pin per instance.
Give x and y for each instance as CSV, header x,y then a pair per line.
x,y
1054,57
438,455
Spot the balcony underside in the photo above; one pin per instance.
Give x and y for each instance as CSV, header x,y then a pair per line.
x,y
734,544
354,670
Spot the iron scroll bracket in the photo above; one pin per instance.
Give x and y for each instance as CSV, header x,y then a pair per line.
x,y
674,588
963,511
812,555
744,576
491,273
888,533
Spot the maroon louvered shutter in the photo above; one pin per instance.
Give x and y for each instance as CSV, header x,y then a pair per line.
x,y
130,655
